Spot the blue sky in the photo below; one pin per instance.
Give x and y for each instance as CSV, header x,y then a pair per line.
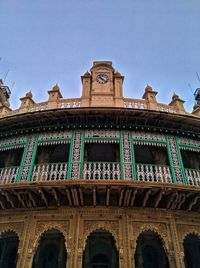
x,y
156,42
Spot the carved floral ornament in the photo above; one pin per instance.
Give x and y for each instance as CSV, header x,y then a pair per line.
x,y
42,229
155,229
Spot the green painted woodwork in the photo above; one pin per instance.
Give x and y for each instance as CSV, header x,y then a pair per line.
x,y
85,139
12,146
23,159
133,158
121,156
102,138
181,162
70,156
147,140
52,140
33,158
170,160
82,155
189,146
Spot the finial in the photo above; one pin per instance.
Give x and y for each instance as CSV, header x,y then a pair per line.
x,y
117,73
148,88
29,94
86,73
175,96
56,87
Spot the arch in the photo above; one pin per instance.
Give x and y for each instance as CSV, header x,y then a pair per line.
x,y
51,250
191,232
154,229
45,229
191,245
104,227
9,245
150,251
100,250
10,230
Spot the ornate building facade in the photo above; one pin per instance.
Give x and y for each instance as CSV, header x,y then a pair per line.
x,y
100,181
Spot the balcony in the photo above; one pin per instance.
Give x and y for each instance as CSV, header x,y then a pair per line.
x,y
101,171
8,175
153,173
193,176
49,172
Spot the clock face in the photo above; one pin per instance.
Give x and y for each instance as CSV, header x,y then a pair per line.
x,y
102,78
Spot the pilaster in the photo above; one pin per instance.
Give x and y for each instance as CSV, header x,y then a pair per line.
x,y
28,159
76,155
178,254
176,164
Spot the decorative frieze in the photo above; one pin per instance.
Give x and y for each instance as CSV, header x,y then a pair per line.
x,y
28,157
188,141
53,142
76,156
192,149
175,159
140,135
101,141
102,134
55,135
127,155
12,143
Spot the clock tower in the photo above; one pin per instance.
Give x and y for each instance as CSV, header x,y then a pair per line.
x,y
102,86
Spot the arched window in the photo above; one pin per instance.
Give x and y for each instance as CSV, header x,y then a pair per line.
x,y
51,252
8,250
100,251
192,251
150,252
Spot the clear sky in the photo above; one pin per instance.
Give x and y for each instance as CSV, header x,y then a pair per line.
x,y
156,42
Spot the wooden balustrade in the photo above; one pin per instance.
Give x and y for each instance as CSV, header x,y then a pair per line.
x,y
49,172
153,173
101,171
193,176
8,175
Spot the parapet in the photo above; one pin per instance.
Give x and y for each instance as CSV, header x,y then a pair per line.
x,y
101,87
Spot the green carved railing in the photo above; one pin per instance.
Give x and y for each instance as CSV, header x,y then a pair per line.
x,y
98,171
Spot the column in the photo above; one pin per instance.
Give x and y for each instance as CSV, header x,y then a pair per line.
x,y
28,159
126,155
77,156
175,160
178,255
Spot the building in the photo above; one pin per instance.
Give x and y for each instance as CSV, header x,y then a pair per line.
x,y
100,181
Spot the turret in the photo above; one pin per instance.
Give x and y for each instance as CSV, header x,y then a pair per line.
x,y
4,94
